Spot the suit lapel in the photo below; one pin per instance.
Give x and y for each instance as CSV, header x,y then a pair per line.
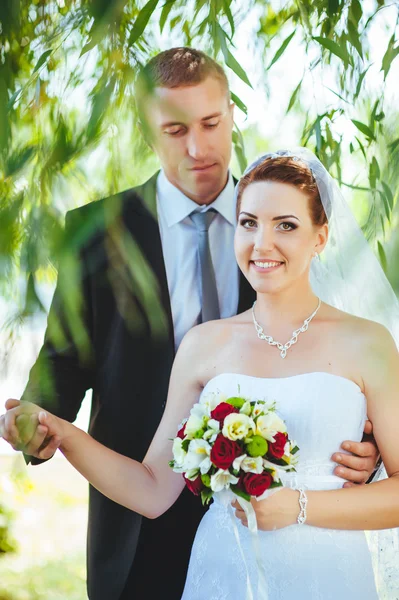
x,y
141,217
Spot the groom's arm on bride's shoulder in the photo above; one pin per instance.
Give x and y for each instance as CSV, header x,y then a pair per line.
x,y
359,461
150,487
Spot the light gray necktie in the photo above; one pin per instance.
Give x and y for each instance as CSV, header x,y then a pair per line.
x,y
210,302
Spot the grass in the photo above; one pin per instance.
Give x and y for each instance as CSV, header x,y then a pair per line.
x,y
49,503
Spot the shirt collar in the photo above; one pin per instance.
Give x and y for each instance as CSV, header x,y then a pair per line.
x,y
180,207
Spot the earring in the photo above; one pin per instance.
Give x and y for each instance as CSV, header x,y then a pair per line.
x,y
315,254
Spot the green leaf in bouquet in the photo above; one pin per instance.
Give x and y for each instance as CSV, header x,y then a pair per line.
x,y
295,450
236,402
276,484
206,480
185,444
198,434
171,463
206,496
258,446
239,492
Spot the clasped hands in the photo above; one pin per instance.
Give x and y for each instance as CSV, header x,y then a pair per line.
x,y
30,429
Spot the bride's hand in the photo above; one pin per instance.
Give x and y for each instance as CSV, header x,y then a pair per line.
x,y
279,510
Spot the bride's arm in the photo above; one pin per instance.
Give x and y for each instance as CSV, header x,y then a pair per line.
x,y
150,487
372,506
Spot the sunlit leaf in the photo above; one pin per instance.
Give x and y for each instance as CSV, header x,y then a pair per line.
x,y
333,47
364,129
42,60
239,103
355,11
389,56
383,258
281,50
230,61
353,36
228,13
394,145
388,194
167,7
359,83
142,21
294,96
374,172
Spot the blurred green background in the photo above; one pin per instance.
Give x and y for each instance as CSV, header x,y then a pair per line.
x,y
320,73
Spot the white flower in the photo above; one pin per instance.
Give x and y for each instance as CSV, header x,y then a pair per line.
x,y
252,465
211,400
268,425
248,464
237,426
194,424
213,429
246,408
258,409
222,480
198,456
179,454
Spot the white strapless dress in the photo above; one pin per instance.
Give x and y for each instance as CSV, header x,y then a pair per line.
x,y
301,562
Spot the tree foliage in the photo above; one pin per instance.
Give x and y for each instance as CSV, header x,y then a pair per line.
x,y
66,88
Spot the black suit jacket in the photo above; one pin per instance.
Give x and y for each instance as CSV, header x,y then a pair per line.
x,y
119,341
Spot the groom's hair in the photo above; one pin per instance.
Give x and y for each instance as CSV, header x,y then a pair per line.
x,y
173,68
286,169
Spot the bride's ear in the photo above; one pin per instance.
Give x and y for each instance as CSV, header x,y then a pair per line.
x,y
322,238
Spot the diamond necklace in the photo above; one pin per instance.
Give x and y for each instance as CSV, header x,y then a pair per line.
x,y
282,347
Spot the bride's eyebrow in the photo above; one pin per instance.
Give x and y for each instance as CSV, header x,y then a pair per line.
x,y
285,217
248,214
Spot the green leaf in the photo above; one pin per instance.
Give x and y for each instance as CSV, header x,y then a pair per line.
x,y
383,258
185,444
361,147
229,58
359,83
42,60
281,50
333,47
228,13
389,56
394,145
388,194
206,496
374,172
13,99
339,95
238,492
167,7
294,96
387,209
353,37
364,129
18,160
142,20
355,12
239,103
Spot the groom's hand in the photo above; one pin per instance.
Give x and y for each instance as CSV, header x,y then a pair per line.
x,y
24,432
357,466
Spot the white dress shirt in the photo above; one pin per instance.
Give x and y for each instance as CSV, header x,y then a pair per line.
x,y
180,249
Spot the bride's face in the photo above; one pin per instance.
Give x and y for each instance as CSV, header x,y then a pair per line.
x,y
275,239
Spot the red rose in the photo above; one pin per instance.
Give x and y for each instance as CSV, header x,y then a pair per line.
x,y
182,431
224,452
222,410
195,486
276,449
255,484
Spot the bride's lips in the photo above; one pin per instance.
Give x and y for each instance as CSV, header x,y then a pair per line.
x,y
265,266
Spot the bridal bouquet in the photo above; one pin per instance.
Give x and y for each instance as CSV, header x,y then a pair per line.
x,y
232,443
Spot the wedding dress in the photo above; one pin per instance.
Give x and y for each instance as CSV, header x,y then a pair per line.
x,y
300,562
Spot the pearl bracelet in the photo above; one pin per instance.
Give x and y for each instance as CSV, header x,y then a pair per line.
x,y
303,501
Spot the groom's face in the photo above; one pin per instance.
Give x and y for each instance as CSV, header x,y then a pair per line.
x,y
191,132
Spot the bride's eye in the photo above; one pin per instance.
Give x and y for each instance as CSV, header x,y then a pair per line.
x,y
247,223
287,226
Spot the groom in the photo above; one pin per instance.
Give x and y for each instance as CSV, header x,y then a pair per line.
x,y
156,233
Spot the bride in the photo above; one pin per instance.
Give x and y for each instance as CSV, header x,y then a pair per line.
x,y
335,369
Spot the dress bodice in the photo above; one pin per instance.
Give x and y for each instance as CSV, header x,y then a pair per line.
x,y
320,410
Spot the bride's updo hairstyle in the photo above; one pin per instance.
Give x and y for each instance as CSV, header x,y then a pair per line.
x,y
286,169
